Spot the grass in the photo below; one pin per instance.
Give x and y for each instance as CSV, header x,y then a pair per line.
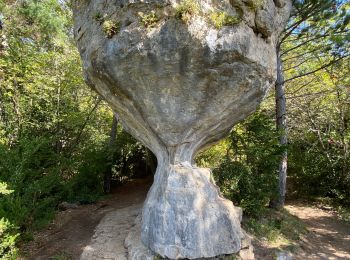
x,y
98,17
149,20
220,19
186,9
343,213
279,228
110,28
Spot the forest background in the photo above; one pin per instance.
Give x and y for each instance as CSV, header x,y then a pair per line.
x,y
60,142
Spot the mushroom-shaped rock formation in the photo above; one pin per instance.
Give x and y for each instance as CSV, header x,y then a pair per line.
x,y
181,73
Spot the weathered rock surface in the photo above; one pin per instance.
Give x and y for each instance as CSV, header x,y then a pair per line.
x,y
186,217
180,86
138,251
110,234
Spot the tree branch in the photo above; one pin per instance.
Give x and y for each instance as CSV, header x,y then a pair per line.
x,y
318,69
77,139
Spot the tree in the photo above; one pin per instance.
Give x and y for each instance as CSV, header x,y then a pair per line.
x,y
110,155
318,31
47,128
319,135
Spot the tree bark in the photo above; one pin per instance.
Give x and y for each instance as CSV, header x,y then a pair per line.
x,y
281,124
108,173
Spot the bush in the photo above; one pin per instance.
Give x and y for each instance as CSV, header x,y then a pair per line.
x,y
314,172
8,232
186,9
110,28
221,19
8,238
248,174
149,20
85,186
33,171
42,178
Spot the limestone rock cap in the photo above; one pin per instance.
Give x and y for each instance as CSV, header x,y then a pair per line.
x,y
182,82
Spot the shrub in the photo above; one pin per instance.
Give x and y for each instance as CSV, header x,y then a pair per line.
x,y
98,17
110,28
254,5
8,238
149,20
249,173
186,9
8,232
221,19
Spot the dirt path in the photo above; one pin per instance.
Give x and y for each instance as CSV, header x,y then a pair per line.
x,y
72,230
84,231
328,238
109,236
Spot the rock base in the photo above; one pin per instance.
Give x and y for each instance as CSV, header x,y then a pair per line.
x,y
186,217
138,251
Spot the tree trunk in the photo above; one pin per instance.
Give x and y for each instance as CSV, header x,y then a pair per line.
x,y
281,124
3,114
108,173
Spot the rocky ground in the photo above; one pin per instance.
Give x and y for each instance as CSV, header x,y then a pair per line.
x,y
85,232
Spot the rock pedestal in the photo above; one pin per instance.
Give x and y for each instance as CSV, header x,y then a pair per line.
x,y
185,217
180,74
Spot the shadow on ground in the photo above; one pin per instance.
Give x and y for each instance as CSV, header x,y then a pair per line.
x,y
327,237
72,230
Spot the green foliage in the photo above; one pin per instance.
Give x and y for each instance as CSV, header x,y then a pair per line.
x,y
131,159
149,20
254,4
35,180
213,157
98,17
220,19
186,9
8,233
8,238
4,189
314,51
110,28
48,15
247,172
344,213
54,130
319,156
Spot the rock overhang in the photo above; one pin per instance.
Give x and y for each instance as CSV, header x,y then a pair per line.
x,y
181,75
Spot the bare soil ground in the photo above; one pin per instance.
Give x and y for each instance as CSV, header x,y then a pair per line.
x,y
72,230
328,237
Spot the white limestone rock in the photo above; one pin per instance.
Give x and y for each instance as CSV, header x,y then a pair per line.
x,y
179,87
